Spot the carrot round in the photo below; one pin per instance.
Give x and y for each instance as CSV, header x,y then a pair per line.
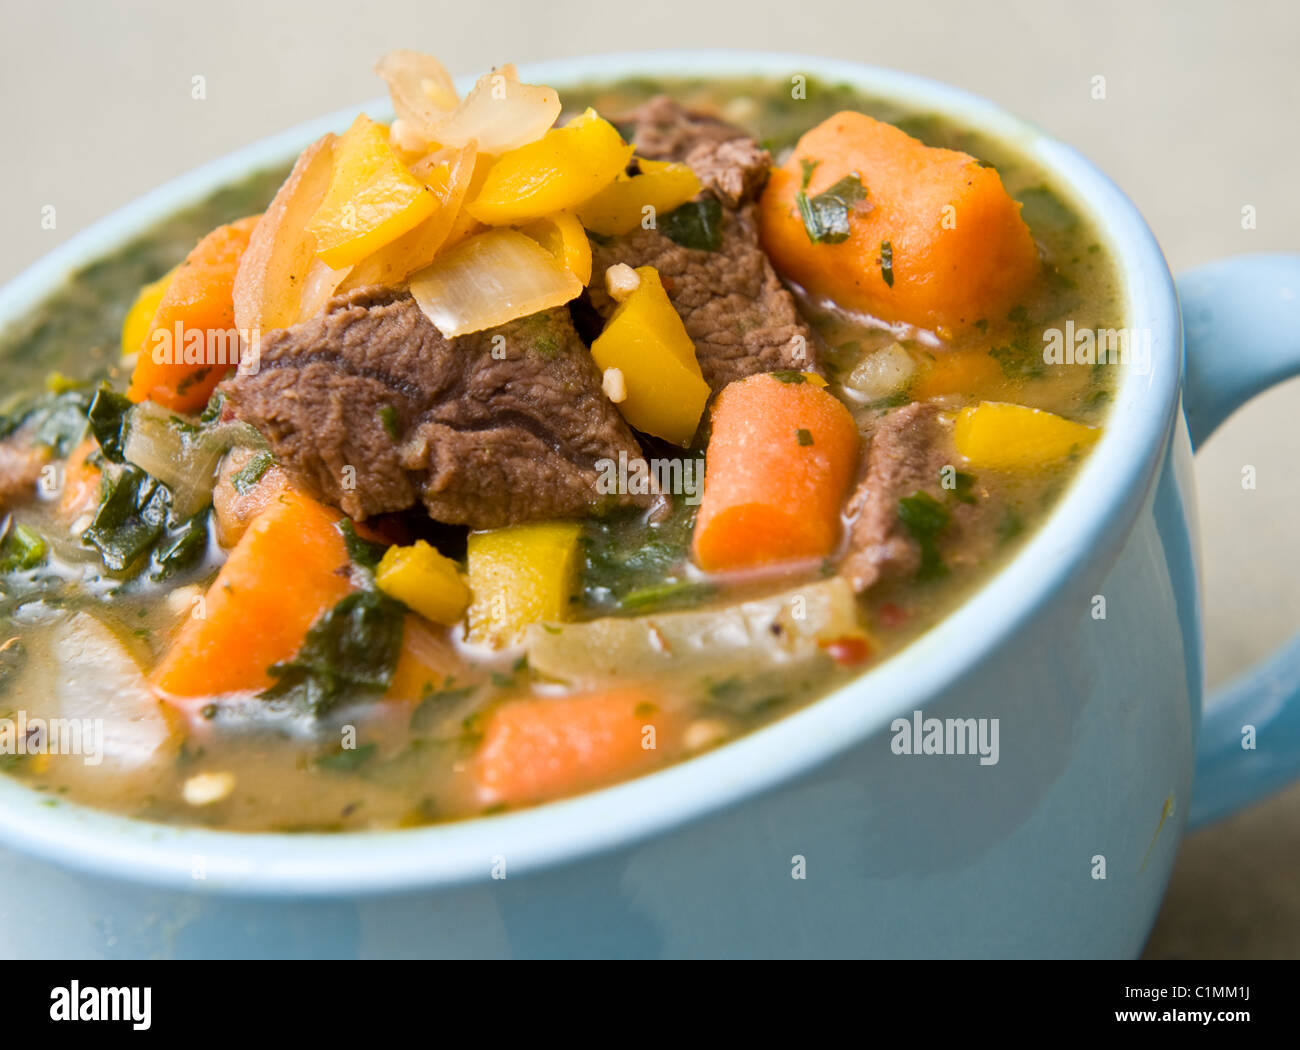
x,y
290,566
969,372
541,748
779,462
172,369
957,249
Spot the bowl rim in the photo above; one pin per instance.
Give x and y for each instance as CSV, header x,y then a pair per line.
x,y
1092,517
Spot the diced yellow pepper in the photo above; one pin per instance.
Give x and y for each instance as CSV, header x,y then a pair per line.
x,y
1004,436
559,171
372,199
520,575
562,235
646,341
139,319
424,580
621,206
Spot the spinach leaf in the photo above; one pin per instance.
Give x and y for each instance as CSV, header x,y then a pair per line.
x,y
107,415
351,649
826,216
924,518
696,224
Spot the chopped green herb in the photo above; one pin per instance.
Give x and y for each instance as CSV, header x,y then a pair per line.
x,y
963,487
696,224
1010,526
924,518
887,262
677,594
348,759
804,437
388,418
252,471
789,375
352,648
826,216
808,166
1019,360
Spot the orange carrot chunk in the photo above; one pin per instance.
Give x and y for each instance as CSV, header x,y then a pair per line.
x,y
778,466
288,568
936,240
541,748
192,340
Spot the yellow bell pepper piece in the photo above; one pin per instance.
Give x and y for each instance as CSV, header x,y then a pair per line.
x,y
139,319
1003,436
559,171
520,575
562,235
372,199
646,341
424,580
662,186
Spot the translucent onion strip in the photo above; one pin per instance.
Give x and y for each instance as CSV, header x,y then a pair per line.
x,y
489,279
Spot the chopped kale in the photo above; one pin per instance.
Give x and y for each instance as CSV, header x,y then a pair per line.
x,y
181,547
57,419
131,518
108,415
361,551
352,648
696,224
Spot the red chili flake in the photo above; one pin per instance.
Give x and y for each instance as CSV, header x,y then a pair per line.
x,y
848,651
890,615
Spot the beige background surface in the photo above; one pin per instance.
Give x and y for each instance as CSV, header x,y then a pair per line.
x,y
1199,119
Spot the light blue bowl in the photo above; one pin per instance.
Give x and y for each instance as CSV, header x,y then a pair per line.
x,y
901,856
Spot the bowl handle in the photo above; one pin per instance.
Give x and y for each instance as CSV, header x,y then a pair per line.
x,y
1241,325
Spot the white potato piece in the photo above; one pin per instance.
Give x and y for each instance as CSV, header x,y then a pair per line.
x,y
751,636
101,685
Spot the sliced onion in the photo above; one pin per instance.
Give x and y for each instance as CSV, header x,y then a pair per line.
x,y
421,89
501,114
183,459
319,286
489,279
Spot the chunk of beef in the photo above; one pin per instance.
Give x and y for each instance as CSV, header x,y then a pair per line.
x,y
741,317
907,454
372,409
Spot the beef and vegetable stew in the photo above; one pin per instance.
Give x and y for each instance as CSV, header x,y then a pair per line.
x,y
520,446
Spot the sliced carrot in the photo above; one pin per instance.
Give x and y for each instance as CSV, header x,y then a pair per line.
x,y
290,567
971,372
192,341
779,463
80,482
958,250
542,748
